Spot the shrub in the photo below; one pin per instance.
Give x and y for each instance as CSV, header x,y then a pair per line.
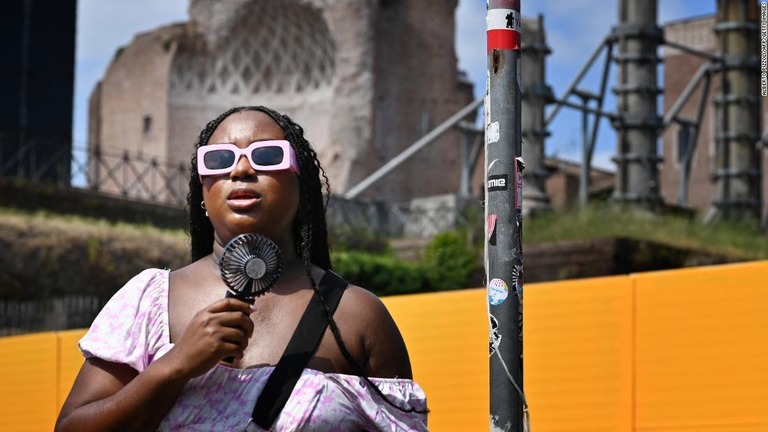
x,y
383,275
450,260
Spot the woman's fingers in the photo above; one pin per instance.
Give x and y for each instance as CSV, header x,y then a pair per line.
x,y
228,304
237,320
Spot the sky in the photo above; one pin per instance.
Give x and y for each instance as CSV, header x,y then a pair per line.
x,y
573,30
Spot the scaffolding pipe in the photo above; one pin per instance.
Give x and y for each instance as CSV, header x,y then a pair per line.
x,y
686,156
569,104
690,50
410,151
535,95
685,95
738,162
586,147
577,80
601,98
638,37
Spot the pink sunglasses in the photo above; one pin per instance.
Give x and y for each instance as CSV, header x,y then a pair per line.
x,y
275,155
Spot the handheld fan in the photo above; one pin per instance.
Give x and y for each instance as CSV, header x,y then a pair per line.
x,y
250,265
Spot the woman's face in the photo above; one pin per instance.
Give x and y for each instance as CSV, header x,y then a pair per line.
x,y
246,200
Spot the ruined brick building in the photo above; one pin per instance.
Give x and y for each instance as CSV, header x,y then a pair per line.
x,y
679,69
365,78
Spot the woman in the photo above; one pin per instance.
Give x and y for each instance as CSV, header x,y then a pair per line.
x,y
154,354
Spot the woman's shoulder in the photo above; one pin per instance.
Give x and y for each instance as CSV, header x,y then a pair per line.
x,y
362,295
132,326
354,296
149,283
365,305
386,353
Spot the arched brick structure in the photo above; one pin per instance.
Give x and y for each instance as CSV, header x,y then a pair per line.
x,y
365,78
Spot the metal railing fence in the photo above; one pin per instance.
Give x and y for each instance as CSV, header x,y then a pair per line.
x,y
48,314
126,174
137,177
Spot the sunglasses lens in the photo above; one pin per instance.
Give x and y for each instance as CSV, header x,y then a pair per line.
x,y
267,156
219,159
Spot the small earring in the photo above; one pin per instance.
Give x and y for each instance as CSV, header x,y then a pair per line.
x,y
202,206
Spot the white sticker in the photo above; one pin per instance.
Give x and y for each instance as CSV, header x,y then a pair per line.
x,y
497,291
493,132
494,336
503,19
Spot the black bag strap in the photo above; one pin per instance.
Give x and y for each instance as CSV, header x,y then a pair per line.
x,y
300,349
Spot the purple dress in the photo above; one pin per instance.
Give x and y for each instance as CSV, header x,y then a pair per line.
x,y
133,329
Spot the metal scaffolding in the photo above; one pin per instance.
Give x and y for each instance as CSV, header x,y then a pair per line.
x,y
737,174
535,95
638,122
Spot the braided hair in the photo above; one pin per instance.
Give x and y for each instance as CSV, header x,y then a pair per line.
x,y
310,232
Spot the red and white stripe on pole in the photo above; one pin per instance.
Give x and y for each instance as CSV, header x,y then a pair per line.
x,y
503,21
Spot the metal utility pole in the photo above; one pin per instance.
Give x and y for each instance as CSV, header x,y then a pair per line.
x,y
638,123
503,215
535,94
737,174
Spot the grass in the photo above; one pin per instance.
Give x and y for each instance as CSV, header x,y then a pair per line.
x,y
84,225
737,240
597,221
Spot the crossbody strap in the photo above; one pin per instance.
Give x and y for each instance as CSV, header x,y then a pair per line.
x,y
300,349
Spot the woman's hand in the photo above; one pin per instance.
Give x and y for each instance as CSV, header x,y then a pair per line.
x,y
220,330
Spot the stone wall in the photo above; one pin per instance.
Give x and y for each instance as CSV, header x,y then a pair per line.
x,y
417,88
576,259
364,78
130,105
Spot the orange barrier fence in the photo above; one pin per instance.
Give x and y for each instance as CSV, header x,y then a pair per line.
x,y
673,351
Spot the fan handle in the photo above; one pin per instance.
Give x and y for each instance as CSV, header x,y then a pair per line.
x,y
230,294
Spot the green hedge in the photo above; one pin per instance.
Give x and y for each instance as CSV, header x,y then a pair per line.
x,y
448,263
450,260
384,275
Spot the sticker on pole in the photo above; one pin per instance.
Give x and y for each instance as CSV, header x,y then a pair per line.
x,y
494,336
497,182
517,281
493,134
497,291
491,228
503,30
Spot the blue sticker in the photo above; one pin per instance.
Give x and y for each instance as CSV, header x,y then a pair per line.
x,y
497,291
